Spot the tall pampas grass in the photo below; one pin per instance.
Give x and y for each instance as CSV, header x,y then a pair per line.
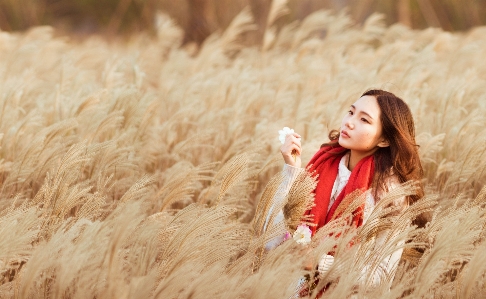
x,y
137,169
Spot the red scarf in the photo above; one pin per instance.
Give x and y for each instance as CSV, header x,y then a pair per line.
x,y
325,164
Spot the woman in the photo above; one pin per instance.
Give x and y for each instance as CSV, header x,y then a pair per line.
x,y
374,149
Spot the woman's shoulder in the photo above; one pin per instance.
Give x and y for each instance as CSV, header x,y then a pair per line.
x,y
391,183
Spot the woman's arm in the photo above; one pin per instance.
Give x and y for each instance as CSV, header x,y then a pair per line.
x,y
290,173
291,151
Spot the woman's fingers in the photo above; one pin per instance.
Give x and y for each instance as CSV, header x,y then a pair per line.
x,y
295,150
295,135
325,263
293,138
291,146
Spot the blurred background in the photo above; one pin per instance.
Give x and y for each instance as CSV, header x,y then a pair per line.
x,y
200,18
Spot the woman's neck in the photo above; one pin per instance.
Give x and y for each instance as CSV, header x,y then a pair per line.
x,y
356,156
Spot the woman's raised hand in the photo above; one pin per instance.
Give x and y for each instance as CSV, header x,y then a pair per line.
x,y
291,150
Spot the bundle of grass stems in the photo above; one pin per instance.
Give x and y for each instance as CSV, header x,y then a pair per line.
x,y
136,169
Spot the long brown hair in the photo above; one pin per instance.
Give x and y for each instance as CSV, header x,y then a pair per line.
x,y
401,158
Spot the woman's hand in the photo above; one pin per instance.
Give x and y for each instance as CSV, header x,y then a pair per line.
x,y
291,150
325,264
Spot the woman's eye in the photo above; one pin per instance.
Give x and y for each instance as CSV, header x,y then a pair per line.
x,y
365,120
350,112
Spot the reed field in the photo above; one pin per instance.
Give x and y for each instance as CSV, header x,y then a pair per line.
x,y
139,169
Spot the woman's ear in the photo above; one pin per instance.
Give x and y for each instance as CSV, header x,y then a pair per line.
x,y
383,143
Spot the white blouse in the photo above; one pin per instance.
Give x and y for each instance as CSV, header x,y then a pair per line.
x,y
387,266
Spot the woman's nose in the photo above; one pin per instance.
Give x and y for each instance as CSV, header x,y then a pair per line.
x,y
349,124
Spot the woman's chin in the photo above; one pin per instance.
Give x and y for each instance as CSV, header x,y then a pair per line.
x,y
342,142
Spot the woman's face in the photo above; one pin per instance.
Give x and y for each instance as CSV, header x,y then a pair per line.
x,y
361,129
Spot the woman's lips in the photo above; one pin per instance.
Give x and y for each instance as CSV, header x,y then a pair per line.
x,y
344,134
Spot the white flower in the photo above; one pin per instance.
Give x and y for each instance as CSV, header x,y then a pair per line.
x,y
302,234
282,134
